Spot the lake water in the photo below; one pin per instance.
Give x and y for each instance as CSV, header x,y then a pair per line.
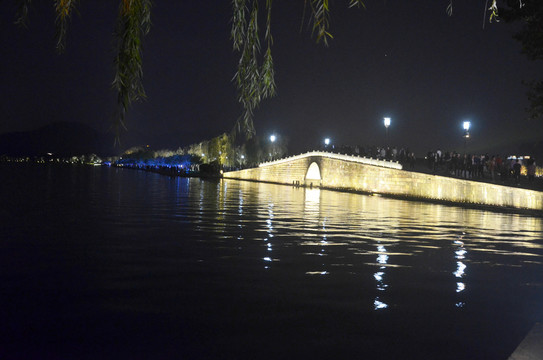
x,y
100,263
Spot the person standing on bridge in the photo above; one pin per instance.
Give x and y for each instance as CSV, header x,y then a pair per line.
x,y
516,171
530,169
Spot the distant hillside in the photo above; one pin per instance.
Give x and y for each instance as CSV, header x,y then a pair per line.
x,y
62,139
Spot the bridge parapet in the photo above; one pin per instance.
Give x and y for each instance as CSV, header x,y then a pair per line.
x,y
331,155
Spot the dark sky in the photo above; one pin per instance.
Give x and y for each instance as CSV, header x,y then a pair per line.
x,y
407,60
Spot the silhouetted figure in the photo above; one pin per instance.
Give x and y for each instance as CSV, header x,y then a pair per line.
x,y
516,171
530,169
412,160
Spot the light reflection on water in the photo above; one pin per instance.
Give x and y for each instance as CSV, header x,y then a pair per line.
x,y
328,233
320,220
259,256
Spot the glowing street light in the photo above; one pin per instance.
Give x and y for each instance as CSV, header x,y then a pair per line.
x,y
466,125
272,151
326,142
386,121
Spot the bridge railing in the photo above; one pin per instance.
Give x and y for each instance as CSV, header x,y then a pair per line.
x,y
358,159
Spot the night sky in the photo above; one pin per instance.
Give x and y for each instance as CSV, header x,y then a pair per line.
x,y
407,60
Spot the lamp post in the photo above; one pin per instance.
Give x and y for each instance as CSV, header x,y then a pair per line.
x,y
272,140
386,121
326,142
466,125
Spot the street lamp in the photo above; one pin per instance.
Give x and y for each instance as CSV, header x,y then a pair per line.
x,y
326,142
272,152
386,121
466,125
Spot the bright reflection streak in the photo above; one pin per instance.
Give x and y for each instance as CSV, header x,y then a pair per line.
x,y
317,272
460,254
382,259
269,225
379,304
460,287
240,200
460,269
312,198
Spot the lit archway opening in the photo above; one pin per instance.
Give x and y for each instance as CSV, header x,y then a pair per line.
x,y
314,172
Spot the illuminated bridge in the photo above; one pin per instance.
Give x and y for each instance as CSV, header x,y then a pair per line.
x,y
371,176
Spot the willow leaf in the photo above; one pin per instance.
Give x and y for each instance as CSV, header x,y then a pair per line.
x,y
357,3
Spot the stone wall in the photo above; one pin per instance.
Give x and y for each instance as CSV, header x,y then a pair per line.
x,y
292,172
355,176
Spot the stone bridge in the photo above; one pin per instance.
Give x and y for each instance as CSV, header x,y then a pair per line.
x,y
372,176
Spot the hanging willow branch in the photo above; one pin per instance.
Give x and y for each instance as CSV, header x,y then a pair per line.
x,y
64,10
450,8
257,82
357,3
253,81
268,75
321,20
134,23
493,11
239,23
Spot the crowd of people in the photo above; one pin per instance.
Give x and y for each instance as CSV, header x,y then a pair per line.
x,y
402,155
452,163
470,166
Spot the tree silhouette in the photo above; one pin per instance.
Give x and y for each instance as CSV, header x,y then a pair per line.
x,y
530,13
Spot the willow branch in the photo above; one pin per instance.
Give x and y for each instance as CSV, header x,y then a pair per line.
x,y
64,9
134,23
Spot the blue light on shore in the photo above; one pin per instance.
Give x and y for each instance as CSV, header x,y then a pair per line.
x,y
176,162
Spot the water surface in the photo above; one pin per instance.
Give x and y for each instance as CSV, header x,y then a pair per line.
x,y
100,262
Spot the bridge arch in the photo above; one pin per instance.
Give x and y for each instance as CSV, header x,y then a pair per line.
x,y
313,175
